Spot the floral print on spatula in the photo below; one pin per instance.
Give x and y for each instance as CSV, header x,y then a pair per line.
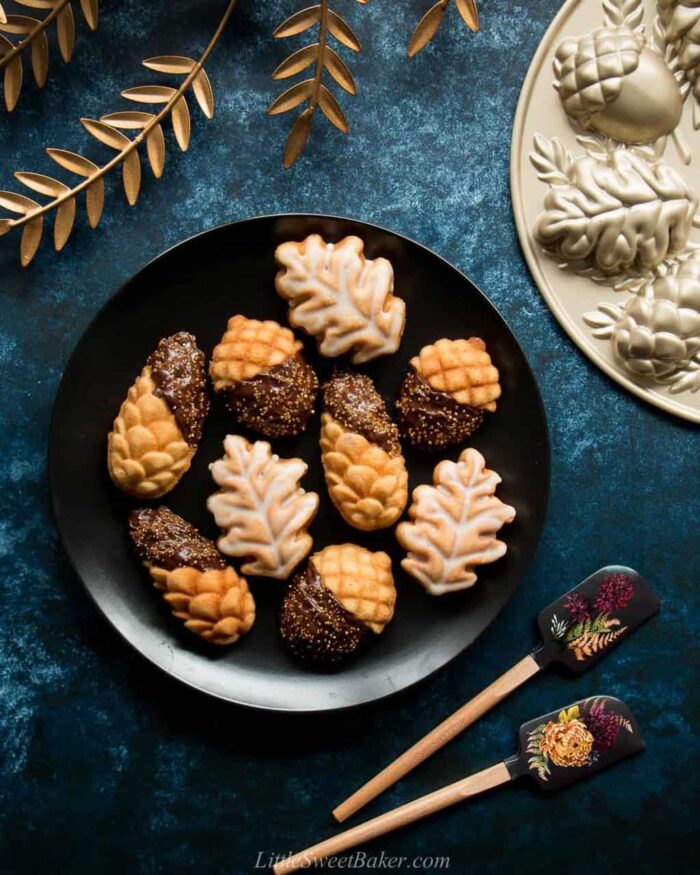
x,y
576,738
584,624
592,626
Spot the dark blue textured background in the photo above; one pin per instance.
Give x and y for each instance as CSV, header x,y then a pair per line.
x,y
105,763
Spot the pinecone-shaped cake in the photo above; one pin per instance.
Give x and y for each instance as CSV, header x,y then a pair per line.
x,y
361,454
155,435
609,81
449,387
658,331
333,606
265,381
213,601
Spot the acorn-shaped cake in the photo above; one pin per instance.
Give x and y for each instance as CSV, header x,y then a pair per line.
x,y
259,370
443,398
331,608
155,435
202,590
361,454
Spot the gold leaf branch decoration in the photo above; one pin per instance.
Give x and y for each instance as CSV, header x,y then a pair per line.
x,y
323,57
109,130
33,33
430,23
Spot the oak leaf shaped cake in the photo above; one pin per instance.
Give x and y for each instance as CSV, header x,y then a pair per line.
x,y
340,297
213,601
261,508
259,369
159,425
361,454
331,608
454,525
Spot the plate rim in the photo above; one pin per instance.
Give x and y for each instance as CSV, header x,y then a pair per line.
x,y
565,321
51,469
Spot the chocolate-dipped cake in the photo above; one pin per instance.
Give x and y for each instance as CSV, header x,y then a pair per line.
x,y
259,370
164,539
450,386
361,454
202,590
331,608
160,423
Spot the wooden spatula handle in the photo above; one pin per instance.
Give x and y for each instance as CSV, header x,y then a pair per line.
x,y
399,817
438,737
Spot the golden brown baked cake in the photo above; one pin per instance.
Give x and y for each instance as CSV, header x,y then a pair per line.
x,y
262,510
263,377
462,369
248,348
340,297
454,524
331,608
450,386
209,596
360,580
159,425
361,454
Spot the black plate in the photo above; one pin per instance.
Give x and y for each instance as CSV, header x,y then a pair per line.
x,y
196,286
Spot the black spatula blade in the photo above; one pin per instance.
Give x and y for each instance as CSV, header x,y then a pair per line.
x,y
582,626
571,744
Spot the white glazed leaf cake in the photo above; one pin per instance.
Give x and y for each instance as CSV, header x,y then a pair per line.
x,y
454,525
261,508
341,298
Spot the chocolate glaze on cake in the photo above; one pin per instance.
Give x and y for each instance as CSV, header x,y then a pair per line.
x,y
315,628
164,539
278,402
178,370
433,420
352,399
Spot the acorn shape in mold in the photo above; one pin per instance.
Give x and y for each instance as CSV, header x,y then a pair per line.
x,y
611,82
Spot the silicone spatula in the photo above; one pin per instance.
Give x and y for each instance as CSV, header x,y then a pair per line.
x,y
578,629
556,750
